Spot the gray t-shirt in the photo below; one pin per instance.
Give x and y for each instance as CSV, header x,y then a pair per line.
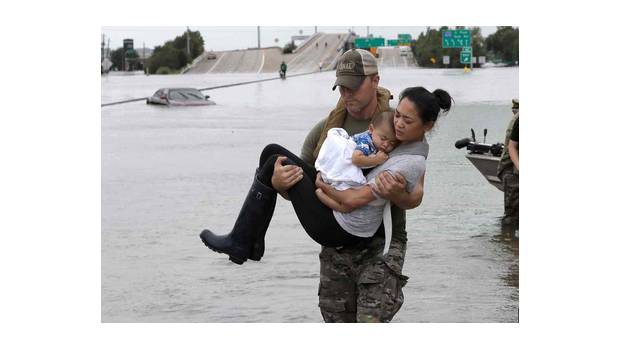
x,y
409,160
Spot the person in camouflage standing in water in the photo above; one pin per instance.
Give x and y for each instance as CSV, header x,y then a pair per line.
x,y
509,176
356,283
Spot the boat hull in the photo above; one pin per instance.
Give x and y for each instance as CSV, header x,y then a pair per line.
x,y
487,166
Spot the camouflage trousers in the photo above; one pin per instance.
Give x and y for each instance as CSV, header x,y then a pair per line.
x,y
357,284
510,221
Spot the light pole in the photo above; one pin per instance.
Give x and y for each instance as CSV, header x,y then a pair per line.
x,y
189,54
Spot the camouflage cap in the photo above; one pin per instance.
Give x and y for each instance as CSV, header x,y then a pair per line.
x,y
353,66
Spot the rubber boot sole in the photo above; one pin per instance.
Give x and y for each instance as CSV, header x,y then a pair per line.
x,y
237,260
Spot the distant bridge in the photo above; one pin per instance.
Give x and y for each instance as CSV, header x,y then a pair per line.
x,y
319,51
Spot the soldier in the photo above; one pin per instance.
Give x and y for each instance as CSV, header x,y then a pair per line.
x,y
509,175
356,283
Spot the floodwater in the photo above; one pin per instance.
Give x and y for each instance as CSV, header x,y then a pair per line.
x,y
168,173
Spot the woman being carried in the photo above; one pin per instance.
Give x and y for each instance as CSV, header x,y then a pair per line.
x,y
333,218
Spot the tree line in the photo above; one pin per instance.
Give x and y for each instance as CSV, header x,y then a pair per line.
x,y
499,47
168,58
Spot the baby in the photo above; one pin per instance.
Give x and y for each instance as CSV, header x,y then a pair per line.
x,y
342,157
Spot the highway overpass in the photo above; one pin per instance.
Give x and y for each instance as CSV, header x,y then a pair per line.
x,y
320,50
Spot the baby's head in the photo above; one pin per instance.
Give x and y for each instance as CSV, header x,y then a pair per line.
x,y
382,130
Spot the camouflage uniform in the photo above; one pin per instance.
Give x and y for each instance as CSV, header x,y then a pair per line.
x,y
510,180
510,221
356,283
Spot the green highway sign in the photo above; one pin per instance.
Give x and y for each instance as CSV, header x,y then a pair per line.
x,y
392,42
376,42
455,38
467,49
365,43
404,37
465,57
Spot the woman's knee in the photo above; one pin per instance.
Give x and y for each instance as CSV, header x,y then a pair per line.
x,y
265,170
268,151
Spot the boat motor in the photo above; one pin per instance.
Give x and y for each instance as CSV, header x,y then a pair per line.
x,y
478,147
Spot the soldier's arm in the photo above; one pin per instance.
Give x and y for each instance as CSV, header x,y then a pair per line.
x,y
281,172
312,139
513,145
513,150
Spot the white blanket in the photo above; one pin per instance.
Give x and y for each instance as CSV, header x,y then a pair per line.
x,y
334,161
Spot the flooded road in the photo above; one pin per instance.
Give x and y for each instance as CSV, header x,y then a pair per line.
x,y
168,173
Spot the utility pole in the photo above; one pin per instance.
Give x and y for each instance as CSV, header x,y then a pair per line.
x,y
314,29
102,47
143,55
189,54
367,31
258,36
471,37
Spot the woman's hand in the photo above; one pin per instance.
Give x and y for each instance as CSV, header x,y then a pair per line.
x,y
390,186
393,188
285,176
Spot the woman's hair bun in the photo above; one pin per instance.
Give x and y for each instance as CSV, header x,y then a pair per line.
x,y
443,99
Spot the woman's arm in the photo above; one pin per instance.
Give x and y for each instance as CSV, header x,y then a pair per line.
x,y
393,188
350,199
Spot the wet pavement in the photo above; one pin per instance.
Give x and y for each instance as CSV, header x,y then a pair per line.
x,y
167,173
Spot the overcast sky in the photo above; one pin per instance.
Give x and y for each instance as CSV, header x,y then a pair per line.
x,y
230,38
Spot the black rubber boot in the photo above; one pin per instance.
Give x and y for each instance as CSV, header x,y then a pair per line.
x,y
259,245
246,240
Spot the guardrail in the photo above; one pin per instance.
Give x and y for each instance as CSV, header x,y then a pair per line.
x,y
333,63
194,62
210,88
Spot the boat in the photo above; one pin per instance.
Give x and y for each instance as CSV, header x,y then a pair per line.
x,y
485,157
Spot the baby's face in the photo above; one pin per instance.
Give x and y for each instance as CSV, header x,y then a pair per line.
x,y
383,137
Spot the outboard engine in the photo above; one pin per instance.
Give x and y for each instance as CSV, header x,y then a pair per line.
x,y
479,147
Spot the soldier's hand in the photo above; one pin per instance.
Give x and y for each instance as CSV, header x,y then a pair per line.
x,y
285,176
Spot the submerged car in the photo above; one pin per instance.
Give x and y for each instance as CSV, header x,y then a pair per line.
x,y
179,97
211,56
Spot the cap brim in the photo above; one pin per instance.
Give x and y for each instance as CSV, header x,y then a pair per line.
x,y
352,82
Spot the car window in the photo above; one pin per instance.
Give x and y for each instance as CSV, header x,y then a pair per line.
x,y
192,94
176,95
195,95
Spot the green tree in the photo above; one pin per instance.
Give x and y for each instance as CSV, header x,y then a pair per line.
x,y
166,56
477,43
289,47
116,56
503,45
173,54
196,43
